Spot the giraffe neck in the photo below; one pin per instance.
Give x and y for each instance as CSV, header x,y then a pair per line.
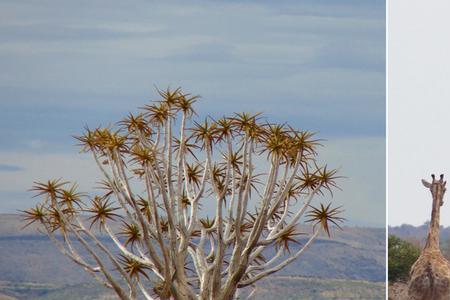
x,y
433,233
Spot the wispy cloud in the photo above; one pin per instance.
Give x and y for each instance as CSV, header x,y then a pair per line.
x,y
10,168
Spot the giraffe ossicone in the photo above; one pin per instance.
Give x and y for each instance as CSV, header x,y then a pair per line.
x,y
430,274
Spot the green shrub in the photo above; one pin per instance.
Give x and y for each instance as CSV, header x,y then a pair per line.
x,y
401,256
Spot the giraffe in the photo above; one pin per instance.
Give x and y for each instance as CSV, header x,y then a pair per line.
x,y
430,274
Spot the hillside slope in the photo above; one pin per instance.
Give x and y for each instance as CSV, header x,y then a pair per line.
x,y
352,254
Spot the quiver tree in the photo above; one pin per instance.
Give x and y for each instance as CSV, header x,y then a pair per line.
x,y
159,168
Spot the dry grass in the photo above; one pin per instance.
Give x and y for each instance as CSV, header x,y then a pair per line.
x,y
398,291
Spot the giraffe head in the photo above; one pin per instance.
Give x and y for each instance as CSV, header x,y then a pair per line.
x,y
437,187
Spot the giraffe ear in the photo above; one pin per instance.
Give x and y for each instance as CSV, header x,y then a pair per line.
x,y
426,183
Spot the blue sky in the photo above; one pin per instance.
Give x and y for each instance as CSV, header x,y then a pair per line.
x,y
319,65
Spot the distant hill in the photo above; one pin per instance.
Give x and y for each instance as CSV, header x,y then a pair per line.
x,y
277,287
418,233
356,255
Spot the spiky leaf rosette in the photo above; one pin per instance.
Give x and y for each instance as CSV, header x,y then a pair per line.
x,y
286,238
50,189
324,215
134,268
33,215
71,198
102,210
131,233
